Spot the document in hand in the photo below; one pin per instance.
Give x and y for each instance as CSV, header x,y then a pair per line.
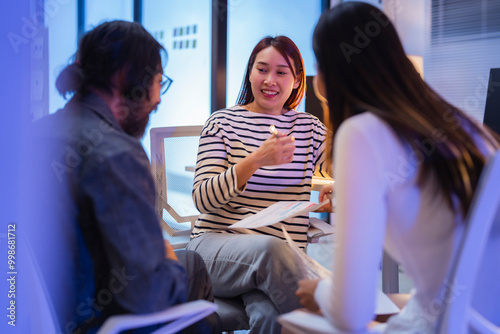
x,y
312,269
277,212
309,266
302,321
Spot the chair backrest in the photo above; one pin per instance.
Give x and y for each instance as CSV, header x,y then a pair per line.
x,y
471,300
44,303
49,269
49,245
173,160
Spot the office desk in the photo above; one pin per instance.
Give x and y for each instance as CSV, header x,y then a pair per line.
x,y
319,182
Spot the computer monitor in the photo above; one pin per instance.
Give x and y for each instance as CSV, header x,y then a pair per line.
x,y
492,107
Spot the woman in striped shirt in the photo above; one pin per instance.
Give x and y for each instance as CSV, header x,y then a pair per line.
x,y
242,169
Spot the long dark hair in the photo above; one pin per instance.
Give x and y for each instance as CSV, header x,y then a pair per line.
x,y
365,67
287,48
108,48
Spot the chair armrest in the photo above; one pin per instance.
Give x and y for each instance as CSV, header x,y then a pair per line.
x,y
317,229
181,316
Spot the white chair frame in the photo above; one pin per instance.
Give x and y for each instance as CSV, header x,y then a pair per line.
x,y
459,315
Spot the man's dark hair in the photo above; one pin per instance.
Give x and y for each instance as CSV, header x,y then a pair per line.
x,y
107,49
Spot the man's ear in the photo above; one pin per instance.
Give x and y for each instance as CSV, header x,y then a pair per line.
x,y
116,100
118,79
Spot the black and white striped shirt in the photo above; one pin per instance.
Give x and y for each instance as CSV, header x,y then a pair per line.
x,y
229,135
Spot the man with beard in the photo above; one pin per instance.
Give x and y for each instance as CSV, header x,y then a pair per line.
x,y
100,184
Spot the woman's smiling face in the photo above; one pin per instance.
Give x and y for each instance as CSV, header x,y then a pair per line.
x,y
272,82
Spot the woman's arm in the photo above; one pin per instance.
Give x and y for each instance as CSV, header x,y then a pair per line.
x,y
348,298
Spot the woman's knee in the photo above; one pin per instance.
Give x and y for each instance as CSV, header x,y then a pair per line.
x,y
273,249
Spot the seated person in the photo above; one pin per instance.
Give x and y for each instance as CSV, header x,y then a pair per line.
x,y
406,164
103,190
242,169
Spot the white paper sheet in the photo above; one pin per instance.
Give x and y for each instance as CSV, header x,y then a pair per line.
x,y
310,267
277,212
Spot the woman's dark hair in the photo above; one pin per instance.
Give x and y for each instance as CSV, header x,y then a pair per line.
x,y
107,49
287,48
364,67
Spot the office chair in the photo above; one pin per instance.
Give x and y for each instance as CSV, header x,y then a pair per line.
x,y
50,264
473,290
46,319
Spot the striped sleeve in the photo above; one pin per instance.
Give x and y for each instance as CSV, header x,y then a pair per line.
x,y
215,183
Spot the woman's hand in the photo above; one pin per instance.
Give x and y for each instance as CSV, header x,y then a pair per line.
x,y
325,193
305,292
276,150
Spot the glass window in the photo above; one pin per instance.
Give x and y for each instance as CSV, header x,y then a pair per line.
x,y
250,21
60,19
184,29
99,11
